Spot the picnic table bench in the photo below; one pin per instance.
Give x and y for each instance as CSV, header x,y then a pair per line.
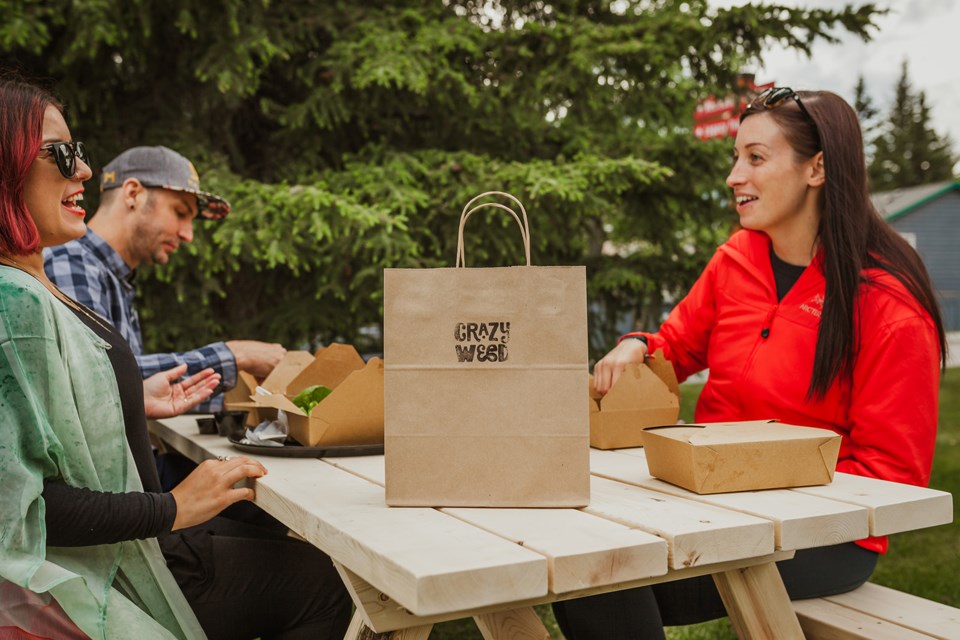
x,y
875,612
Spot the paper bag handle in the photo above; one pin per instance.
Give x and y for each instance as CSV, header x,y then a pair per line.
x,y
465,215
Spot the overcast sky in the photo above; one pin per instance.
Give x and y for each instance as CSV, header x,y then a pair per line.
x,y
925,33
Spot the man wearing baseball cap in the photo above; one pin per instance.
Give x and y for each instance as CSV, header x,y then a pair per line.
x,y
149,199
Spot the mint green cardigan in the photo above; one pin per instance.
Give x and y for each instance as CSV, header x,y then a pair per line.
x,y
60,417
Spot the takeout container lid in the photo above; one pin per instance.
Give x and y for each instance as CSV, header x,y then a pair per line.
x,y
289,367
351,415
741,456
645,395
238,398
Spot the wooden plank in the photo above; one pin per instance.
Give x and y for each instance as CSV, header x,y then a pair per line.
x,y
757,603
894,507
382,613
800,521
370,467
821,619
347,517
582,550
376,609
360,631
696,533
907,610
516,624
182,434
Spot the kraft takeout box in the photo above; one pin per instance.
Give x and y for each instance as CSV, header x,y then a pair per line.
x,y
240,398
645,395
351,415
741,456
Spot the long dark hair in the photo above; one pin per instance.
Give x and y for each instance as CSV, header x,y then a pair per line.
x,y
852,234
22,107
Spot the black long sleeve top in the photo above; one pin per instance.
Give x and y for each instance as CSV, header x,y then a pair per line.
x,y
78,516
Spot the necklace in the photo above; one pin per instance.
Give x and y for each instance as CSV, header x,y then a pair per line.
x,y
56,292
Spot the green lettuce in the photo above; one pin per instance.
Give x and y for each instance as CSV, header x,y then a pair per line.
x,y
311,397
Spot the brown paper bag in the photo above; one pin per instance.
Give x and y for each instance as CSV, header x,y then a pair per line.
x,y
484,371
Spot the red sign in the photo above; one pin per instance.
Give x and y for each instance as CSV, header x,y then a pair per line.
x,y
715,118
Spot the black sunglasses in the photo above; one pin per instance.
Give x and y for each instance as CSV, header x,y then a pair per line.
x,y
773,98
66,155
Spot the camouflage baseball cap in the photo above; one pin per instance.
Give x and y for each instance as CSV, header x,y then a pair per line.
x,y
164,168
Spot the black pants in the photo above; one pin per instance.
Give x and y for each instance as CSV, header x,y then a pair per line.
x,y
641,614
244,581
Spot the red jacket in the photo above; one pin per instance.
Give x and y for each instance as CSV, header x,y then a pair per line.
x,y
760,355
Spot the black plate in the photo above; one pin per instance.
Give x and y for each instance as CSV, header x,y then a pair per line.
x,y
293,449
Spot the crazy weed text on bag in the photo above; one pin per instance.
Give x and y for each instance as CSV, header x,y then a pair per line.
x,y
484,372
483,341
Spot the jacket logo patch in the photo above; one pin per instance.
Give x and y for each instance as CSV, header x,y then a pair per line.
x,y
813,306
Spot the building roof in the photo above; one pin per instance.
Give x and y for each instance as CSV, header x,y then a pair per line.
x,y
899,202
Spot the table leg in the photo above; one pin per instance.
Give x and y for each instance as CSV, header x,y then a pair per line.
x,y
757,603
516,624
360,631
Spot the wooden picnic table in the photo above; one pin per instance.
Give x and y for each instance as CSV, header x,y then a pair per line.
x,y
408,568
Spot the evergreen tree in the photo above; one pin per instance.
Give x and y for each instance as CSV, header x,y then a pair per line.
x,y
936,157
908,152
863,104
867,113
348,134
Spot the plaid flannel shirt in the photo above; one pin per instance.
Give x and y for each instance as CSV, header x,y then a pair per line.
x,y
91,272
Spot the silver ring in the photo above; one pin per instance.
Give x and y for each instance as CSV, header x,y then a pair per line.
x,y
223,458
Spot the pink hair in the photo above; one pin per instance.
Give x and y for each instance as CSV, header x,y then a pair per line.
x,y
22,108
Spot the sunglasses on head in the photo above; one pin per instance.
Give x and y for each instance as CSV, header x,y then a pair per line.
x,y
773,98
776,96
66,154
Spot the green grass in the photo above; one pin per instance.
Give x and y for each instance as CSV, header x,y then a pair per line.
x,y
927,562
924,562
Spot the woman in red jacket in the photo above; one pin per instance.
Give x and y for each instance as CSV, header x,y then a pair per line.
x,y
817,313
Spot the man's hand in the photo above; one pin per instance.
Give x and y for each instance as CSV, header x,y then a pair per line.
x,y
259,358
209,489
164,397
607,371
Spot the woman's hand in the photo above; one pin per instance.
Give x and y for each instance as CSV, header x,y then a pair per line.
x,y
607,371
164,397
209,489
